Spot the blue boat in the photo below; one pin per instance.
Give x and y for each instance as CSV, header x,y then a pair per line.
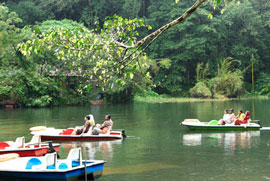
x,y
49,167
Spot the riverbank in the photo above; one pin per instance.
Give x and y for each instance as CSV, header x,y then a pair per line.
x,y
167,99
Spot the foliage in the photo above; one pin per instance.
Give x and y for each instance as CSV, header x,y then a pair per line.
x,y
227,83
200,90
95,56
263,83
216,30
201,72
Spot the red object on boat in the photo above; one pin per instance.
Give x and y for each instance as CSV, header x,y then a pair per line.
x,y
26,149
3,145
67,132
112,133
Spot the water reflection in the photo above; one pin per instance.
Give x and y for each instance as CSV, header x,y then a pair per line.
x,y
91,149
230,141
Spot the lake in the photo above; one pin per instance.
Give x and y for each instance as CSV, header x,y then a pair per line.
x,y
157,148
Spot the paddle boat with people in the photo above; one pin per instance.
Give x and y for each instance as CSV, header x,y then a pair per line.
x,y
195,124
50,133
229,122
49,167
33,148
87,132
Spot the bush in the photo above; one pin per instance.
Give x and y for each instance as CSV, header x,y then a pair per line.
x,y
228,85
42,101
200,90
263,84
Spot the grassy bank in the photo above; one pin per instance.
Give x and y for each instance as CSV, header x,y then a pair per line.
x,y
167,99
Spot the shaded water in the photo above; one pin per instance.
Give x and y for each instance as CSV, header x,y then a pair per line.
x,y
157,148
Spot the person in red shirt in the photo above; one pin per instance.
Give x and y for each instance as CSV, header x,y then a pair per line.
x,y
245,121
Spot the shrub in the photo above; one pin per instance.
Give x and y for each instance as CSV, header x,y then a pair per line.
x,y
200,90
228,85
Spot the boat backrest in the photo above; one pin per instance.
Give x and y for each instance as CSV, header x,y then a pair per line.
x,y
75,157
51,160
92,120
36,140
19,142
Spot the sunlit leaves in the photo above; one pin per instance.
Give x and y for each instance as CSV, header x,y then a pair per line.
x,y
101,56
210,16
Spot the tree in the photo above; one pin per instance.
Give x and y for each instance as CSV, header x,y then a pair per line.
x,y
114,50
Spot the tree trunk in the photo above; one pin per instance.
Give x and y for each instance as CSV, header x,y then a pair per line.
x,y
161,30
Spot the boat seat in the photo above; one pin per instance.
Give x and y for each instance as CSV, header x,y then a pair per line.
x,y
191,121
33,162
73,159
42,163
213,122
89,132
51,160
36,140
19,142
4,145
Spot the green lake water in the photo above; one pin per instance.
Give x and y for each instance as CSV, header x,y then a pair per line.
x,y
157,148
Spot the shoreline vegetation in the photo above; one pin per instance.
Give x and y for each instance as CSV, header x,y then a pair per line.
x,y
108,53
167,99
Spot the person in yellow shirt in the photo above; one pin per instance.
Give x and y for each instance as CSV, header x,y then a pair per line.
x,y
240,117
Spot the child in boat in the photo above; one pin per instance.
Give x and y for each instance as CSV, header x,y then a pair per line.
x,y
225,118
245,120
105,127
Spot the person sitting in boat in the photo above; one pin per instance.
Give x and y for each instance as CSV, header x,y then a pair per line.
x,y
241,116
88,126
105,127
231,118
245,120
225,118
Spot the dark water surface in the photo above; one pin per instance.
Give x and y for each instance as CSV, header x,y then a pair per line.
x,y
157,148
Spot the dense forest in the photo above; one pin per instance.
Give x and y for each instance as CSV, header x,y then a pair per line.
x,y
219,51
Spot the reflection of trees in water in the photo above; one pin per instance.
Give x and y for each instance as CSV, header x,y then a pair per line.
x,y
91,149
229,141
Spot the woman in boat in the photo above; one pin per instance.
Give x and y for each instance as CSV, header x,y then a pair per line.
x,y
231,118
105,127
86,127
225,118
242,118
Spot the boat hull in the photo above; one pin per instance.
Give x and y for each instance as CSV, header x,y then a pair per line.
x,y
26,152
55,134
93,173
221,127
78,138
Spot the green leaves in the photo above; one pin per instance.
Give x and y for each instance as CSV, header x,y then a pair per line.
x,y
99,58
210,16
